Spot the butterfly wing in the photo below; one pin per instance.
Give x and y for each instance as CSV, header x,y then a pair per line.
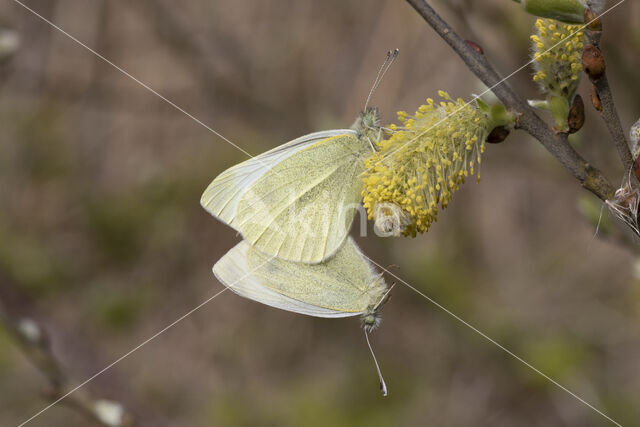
x,y
346,285
221,197
234,272
297,201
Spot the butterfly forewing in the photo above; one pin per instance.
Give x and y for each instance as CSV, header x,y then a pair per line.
x,y
302,209
221,197
296,202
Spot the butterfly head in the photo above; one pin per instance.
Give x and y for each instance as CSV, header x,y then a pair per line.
x,y
368,124
371,318
370,118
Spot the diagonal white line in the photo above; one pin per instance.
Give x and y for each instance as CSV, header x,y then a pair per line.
x,y
475,97
144,85
136,348
245,152
124,356
494,342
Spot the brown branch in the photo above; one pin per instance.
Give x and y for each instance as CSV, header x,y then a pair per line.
x,y
610,116
608,110
556,143
20,320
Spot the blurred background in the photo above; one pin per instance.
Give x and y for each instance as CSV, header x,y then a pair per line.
x,y
103,241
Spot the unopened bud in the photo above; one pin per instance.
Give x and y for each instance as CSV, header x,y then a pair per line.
x,y
592,21
497,135
475,46
636,168
595,98
575,120
593,27
593,62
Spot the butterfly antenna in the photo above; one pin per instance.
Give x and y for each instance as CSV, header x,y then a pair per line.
x,y
388,60
375,82
389,64
384,297
383,385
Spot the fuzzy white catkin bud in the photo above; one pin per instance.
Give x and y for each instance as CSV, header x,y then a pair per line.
x,y
109,413
9,43
557,54
634,137
30,330
390,220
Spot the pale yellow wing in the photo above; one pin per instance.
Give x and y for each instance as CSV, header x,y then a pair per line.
x,y
345,285
296,202
302,209
221,197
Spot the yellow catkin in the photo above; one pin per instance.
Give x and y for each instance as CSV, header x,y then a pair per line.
x,y
423,162
557,55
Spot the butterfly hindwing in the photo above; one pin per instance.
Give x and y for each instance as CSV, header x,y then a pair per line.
x,y
345,285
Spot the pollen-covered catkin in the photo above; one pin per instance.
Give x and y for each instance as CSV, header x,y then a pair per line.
x,y
557,50
557,60
423,162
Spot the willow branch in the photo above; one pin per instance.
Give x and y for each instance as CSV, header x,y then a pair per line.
x,y
34,342
610,116
608,110
556,143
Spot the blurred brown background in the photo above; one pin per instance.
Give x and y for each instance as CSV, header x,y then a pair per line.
x,y
102,235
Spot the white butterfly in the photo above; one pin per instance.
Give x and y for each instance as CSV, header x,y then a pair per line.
x,y
297,201
345,285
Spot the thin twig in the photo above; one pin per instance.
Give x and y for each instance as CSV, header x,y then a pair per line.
x,y
556,143
610,116
608,112
34,342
